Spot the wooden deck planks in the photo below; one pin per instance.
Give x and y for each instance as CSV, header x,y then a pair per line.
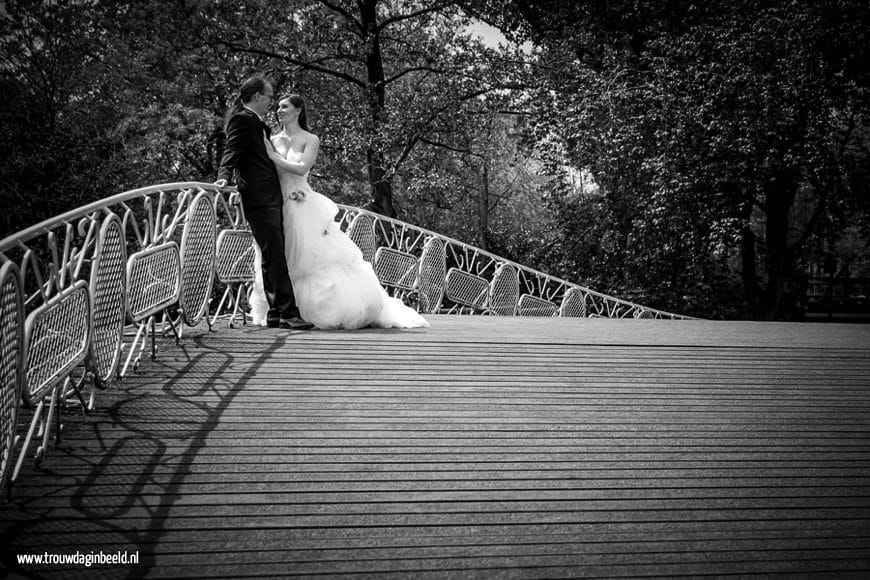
x,y
482,447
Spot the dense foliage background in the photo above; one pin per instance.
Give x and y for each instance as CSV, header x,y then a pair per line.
x,y
696,157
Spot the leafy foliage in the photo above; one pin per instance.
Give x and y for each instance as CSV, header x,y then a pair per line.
x,y
55,132
727,142
722,136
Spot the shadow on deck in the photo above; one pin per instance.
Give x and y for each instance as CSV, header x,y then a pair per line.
x,y
482,447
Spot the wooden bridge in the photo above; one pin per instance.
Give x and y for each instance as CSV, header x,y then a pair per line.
x,y
482,447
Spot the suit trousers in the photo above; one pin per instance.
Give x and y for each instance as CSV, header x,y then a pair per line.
x,y
267,226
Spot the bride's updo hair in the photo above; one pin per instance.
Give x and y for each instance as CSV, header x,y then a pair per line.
x,y
298,102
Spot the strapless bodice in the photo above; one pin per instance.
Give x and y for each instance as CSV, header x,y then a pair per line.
x,y
291,181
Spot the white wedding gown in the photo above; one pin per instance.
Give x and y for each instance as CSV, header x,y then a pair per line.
x,y
334,286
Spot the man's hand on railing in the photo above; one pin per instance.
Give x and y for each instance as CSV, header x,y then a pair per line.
x,y
221,183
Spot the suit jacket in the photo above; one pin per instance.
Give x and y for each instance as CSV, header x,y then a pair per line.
x,y
245,152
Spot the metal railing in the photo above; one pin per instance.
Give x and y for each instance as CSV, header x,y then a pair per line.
x,y
81,293
440,274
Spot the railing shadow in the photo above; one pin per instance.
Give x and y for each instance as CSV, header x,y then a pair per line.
x,y
112,510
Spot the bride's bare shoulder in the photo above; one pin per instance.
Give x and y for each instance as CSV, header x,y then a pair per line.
x,y
311,141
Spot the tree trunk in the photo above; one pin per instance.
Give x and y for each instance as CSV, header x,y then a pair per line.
x,y
382,190
751,288
779,266
483,208
380,181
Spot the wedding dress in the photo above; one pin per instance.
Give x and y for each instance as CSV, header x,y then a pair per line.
x,y
334,286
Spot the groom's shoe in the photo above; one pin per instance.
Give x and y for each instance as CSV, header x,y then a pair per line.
x,y
295,323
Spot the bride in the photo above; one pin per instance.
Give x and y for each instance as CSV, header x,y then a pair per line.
x,y
334,286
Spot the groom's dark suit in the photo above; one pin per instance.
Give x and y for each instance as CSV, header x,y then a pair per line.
x,y
258,184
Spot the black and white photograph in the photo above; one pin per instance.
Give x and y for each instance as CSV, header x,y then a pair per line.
x,y
434,289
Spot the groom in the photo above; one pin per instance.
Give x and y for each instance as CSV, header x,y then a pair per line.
x,y
257,179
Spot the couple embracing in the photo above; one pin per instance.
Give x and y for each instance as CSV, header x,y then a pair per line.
x,y
311,274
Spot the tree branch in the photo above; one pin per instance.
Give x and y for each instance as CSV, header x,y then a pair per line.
x,y
450,148
289,59
344,13
436,8
411,70
417,136
409,146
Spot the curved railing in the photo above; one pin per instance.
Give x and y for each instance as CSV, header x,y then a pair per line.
x,y
440,274
81,293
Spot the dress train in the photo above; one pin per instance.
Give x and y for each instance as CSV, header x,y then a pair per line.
x,y
335,287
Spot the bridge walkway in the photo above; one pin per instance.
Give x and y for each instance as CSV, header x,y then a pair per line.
x,y
481,447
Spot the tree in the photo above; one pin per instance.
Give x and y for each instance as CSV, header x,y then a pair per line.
x,y
56,131
723,136
396,91
383,75
486,191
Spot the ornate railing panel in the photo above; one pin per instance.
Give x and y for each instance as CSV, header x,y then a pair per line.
x,y
155,279
109,299
573,303
235,258
456,278
396,269
431,279
531,306
11,362
198,259
504,291
56,339
81,291
464,289
361,229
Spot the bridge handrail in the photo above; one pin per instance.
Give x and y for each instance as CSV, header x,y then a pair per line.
x,y
80,293
29,233
35,230
454,242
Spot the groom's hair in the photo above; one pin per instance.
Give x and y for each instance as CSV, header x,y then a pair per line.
x,y
251,87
